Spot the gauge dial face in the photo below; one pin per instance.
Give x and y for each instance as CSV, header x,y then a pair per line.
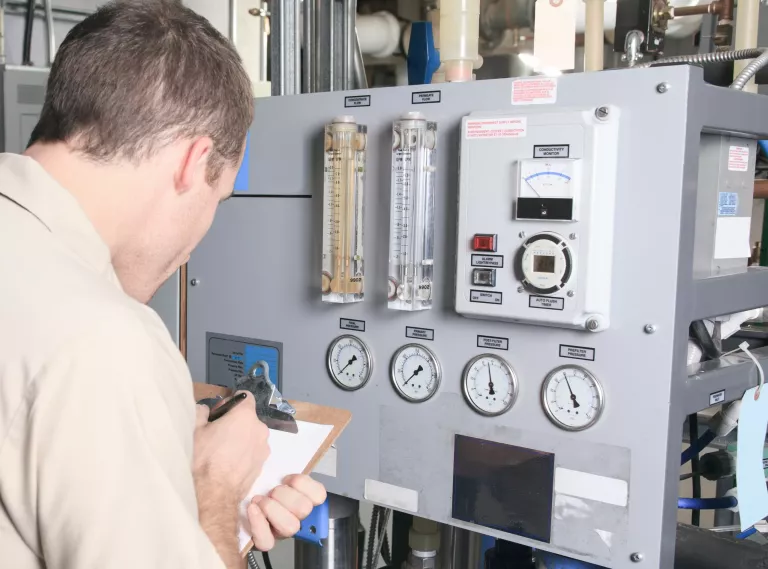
x,y
349,362
415,373
490,385
547,178
572,398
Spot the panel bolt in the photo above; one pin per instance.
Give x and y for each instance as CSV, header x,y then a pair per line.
x,y
662,88
650,328
636,557
521,289
592,324
572,236
602,113
195,282
571,293
522,235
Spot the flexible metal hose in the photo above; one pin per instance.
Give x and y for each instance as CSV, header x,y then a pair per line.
x,y
749,71
705,58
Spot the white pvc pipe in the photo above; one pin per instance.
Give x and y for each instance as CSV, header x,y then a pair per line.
x,y
747,15
459,38
379,34
594,35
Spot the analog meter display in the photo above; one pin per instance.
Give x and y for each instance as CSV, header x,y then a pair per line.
x,y
548,189
415,373
349,362
572,398
490,385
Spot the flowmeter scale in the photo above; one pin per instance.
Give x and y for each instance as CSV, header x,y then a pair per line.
x,y
344,175
412,214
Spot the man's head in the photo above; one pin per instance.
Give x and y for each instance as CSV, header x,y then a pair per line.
x,y
146,99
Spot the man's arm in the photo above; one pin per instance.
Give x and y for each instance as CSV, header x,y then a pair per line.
x,y
108,447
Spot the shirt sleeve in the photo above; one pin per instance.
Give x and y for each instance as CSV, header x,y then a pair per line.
x,y
109,450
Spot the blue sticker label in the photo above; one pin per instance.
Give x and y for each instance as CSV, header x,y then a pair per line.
x,y
241,182
727,203
268,354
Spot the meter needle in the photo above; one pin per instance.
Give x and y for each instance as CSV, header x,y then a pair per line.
x,y
490,382
415,373
573,395
352,360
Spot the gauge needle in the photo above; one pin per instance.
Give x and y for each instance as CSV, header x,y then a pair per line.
x,y
352,360
415,373
573,396
490,382
530,186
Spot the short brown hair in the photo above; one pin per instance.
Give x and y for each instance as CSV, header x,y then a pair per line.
x,y
137,75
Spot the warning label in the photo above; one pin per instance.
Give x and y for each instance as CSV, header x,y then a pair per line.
x,y
534,91
496,128
738,158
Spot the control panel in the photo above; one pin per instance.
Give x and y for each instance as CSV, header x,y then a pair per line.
x,y
536,215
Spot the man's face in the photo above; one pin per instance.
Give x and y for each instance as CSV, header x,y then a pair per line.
x,y
176,224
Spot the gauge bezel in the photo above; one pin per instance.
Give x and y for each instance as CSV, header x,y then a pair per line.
x,y
329,366
600,398
438,372
512,374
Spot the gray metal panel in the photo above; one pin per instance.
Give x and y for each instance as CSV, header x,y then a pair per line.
x,y
23,94
260,277
167,305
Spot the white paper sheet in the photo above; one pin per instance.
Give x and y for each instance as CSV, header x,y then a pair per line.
x,y
290,454
732,237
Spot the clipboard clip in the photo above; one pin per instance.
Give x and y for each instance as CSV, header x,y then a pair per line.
x,y
274,411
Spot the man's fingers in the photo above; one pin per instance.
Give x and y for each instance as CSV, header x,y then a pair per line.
x,y
292,500
201,415
261,533
308,487
284,523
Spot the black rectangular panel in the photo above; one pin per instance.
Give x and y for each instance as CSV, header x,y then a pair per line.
x,y
503,487
545,208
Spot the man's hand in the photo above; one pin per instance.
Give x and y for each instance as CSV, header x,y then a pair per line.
x,y
279,515
228,457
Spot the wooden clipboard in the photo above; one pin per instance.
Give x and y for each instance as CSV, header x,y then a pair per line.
x,y
308,412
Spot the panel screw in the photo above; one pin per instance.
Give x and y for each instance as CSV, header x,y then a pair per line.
x,y
636,557
571,293
592,324
522,235
650,328
572,236
662,88
601,113
195,282
521,289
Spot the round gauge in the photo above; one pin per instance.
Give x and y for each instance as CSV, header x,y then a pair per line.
x,y
349,362
572,398
415,373
548,178
545,263
490,385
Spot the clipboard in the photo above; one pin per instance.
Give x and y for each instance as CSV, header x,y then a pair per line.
x,y
338,419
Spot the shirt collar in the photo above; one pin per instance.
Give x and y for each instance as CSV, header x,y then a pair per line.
x,y
25,182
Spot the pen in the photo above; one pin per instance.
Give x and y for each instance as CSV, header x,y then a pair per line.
x,y
224,408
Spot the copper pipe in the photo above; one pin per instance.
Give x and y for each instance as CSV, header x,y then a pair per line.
x,y
761,189
183,310
713,8
726,10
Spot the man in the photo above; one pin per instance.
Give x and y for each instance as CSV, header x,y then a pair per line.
x,y
103,463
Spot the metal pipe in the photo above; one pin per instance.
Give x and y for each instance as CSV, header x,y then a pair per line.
x,y
2,32
459,548
51,33
349,40
360,79
264,36
232,21
308,66
339,550
13,9
286,54
20,4
29,20
325,46
701,9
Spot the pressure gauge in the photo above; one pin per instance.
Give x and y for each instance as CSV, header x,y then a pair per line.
x,y
349,362
572,398
549,178
415,373
490,385
544,263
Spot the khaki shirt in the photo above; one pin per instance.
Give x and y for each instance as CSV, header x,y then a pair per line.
x,y
96,406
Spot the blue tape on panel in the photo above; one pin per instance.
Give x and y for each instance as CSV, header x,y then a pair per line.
x,y
243,178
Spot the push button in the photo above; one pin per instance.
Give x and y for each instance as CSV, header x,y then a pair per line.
x,y
484,277
484,242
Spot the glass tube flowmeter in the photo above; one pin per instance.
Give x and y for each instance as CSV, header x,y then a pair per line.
x,y
343,269
412,213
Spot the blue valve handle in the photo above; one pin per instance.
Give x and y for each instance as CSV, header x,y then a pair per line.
x,y
315,527
423,56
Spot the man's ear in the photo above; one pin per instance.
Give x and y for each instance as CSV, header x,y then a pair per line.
x,y
194,166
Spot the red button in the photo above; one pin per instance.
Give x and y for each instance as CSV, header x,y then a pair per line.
x,y
482,242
